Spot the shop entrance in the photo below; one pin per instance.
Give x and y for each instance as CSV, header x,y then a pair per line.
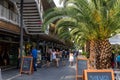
x,y
8,54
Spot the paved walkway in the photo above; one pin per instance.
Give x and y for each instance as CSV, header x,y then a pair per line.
x,y
6,75
52,73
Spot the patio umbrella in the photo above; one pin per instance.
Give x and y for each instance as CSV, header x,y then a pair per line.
x,y
115,39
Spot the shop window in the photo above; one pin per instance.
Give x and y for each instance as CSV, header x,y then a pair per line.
x,y
11,8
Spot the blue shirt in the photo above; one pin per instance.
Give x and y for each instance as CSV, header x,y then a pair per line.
x,y
34,53
118,58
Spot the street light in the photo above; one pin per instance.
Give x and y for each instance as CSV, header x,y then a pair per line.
x,y
21,27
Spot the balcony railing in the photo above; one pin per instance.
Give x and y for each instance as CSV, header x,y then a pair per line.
x,y
8,15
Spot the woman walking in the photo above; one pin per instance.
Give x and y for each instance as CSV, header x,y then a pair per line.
x,y
71,58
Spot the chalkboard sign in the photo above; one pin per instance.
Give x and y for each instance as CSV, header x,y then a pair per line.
x,y
26,65
82,64
99,75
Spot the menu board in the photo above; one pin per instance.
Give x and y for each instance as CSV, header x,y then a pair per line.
x,y
99,75
82,64
26,65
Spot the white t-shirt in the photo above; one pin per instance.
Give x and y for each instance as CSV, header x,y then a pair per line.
x,y
53,55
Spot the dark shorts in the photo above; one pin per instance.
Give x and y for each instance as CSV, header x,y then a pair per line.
x,y
63,58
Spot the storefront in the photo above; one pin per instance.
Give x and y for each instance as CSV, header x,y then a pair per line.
x,y
8,50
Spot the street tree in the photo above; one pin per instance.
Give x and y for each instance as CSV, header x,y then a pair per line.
x,y
95,21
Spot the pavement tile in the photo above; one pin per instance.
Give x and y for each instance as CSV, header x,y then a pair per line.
x,y
52,73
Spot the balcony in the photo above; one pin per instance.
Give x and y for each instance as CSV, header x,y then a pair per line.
x,y
8,15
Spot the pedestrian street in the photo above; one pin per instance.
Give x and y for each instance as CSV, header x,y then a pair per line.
x,y
52,73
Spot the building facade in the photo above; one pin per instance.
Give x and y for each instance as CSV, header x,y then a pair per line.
x,y
9,33
32,24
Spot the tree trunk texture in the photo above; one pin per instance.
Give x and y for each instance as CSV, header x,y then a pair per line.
x,y
92,58
103,54
87,49
98,53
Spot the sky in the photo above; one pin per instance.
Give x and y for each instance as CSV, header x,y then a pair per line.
x,y
57,3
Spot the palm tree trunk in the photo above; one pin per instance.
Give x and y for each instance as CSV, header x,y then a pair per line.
x,y
92,59
98,53
103,57
87,49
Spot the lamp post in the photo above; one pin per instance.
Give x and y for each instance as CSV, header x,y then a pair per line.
x,y
21,27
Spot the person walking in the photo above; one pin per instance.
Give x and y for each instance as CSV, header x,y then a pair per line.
x,y
118,61
57,58
113,59
75,55
48,54
71,58
20,56
34,55
63,58
54,57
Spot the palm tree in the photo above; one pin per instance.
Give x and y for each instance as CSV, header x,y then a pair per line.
x,y
94,21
